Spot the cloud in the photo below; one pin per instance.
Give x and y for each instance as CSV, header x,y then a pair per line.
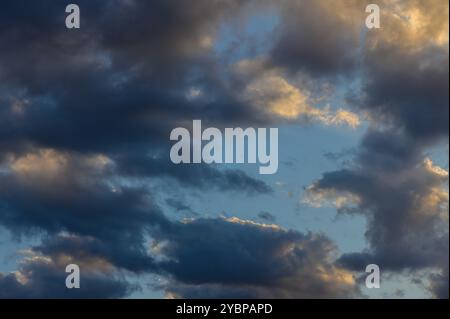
x,y
269,91
409,90
43,276
73,79
405,202
266,216
105,91
46,192
414,25
240,258
391,180
49,189
178,205
271,262
439,284
317,37
200,176
85,117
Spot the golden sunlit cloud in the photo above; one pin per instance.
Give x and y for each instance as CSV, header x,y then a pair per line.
x,y
269,91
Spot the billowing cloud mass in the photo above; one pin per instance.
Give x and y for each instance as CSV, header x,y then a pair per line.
x,y
40,276
85,118
235,257
318,37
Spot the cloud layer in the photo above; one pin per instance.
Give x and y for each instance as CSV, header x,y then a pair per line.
x,y
85,117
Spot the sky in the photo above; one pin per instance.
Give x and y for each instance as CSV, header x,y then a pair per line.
x,y
86,177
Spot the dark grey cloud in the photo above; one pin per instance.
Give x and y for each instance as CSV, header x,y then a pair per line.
x,y
49,192
232,258
103,86
207,258
202,176
409,90
404,199
439,284
43,275
266,216
303,41
30,199
103,89
48,282
178,205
